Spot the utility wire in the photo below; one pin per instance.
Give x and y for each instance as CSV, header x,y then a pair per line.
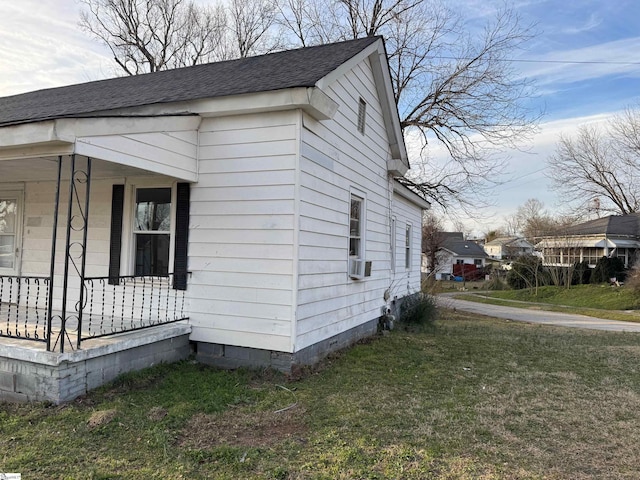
x,y
524,60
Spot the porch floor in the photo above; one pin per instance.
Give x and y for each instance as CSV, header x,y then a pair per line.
x,y
23,323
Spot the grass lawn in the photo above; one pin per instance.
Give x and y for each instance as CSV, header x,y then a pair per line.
x,y
471,398
601,301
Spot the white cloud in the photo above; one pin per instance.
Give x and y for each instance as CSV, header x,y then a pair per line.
x,y
562,73
41,46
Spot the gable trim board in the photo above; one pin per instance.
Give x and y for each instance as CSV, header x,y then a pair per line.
x,y
266,176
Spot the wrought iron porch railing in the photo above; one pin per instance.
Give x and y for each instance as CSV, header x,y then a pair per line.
x,y
24,308
122,304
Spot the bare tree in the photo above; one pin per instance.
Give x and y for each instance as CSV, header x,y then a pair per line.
x,y
432,239
151,35
534,220
454,86
599,169
251,21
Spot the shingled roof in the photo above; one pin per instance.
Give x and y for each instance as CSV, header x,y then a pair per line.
x,y
625,225
464,248
302,67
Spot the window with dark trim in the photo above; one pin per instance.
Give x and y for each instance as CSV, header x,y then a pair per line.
x,y
152,233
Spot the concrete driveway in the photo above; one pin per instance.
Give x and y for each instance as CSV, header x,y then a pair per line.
x,y
537,316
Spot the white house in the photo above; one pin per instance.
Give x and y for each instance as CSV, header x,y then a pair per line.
x,y
251,201
508,248
459,258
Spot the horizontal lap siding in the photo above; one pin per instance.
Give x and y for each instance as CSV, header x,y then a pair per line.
x,y
242,230
335,157
164,152
406,282
38,218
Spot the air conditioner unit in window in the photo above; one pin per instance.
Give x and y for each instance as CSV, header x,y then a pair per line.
x,y
359,269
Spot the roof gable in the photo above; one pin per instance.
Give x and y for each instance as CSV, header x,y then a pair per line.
x,y
302,67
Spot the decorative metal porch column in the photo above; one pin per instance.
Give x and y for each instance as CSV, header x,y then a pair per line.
x,y
75,254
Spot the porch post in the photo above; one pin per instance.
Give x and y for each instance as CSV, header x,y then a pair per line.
x,y
85,217
65,280
53,254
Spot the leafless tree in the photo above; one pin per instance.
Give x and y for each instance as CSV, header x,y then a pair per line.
x,y
454,83
151,35
599,169
534,220
432,239
251,21
454,86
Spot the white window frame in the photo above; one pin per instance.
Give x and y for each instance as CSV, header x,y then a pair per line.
x,y
15,191
393,244
361,255
408,244
128,260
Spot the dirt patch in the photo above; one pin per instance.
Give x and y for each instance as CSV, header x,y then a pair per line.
x,y
243,428
101,417
157,413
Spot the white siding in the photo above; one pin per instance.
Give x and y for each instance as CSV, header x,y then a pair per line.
x,y
38,217
336,158
167,153
406,281
241,240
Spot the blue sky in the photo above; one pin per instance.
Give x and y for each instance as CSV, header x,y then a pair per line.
x,y
41,46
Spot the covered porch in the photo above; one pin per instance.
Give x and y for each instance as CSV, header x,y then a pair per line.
x,y
92,248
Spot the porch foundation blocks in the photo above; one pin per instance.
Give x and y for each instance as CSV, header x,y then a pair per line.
x,y
228,356
27,374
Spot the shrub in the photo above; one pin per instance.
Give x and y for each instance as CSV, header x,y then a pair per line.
x,y
608,268
418,309
581,273
527,272
495,283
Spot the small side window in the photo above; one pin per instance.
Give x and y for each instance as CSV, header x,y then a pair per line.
x,y
407,248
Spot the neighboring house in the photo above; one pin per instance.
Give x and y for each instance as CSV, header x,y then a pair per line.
x,y
508,248
612,236
459,257
247,207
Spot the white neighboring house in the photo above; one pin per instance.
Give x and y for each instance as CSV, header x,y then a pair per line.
x,y
455,254
610,236
258,194
507,248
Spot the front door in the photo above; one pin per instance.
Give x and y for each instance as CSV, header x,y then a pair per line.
x,y
10,242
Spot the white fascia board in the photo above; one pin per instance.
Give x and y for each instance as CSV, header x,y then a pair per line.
x,y
380,68
64,131
310,99
413,197
28,134
69,129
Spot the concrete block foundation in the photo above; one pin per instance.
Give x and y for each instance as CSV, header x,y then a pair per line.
x,y
228,356
31,374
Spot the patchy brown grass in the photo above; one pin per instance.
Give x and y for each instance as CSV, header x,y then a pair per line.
x,y
244,428
101,417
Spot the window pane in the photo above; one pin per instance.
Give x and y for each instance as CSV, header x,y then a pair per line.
x,y
8,216
355,227
152,254
7,256
153,209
